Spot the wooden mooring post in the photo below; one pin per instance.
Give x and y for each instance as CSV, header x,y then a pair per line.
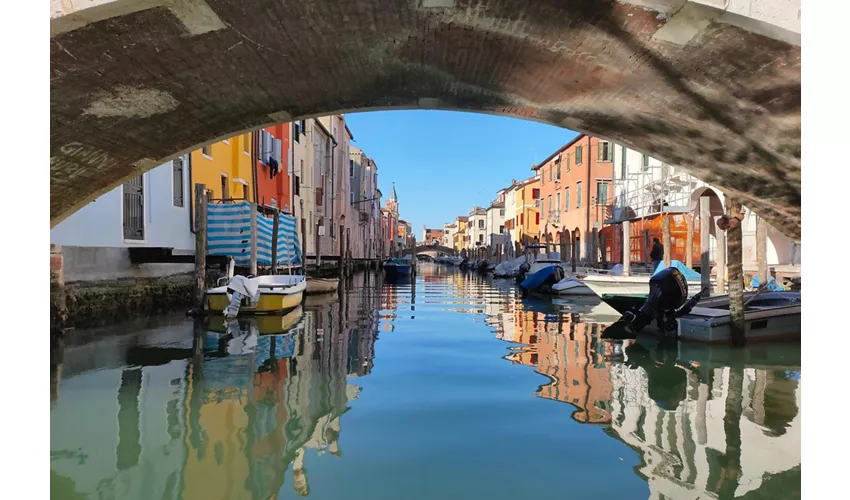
x,y
275,226
253,239
736,272
704,244
720,257
689,244
626,246
200,245
665,235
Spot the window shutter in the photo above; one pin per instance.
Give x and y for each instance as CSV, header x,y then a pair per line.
x,y
277,151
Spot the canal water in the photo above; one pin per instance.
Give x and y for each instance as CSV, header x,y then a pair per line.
x,y
451,387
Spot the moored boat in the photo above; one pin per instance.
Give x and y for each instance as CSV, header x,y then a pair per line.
x,y
767,316
396,268
272,294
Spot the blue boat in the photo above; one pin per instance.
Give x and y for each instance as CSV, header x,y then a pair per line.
x,y
542,280
396,268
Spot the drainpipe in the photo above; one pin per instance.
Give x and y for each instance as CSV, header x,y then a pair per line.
x,y
191,199
587,203
254,159
292,171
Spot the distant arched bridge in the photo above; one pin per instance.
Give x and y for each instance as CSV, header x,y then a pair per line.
x,y
432,250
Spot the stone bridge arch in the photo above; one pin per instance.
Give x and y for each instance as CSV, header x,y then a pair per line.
x,y
433,250
710,85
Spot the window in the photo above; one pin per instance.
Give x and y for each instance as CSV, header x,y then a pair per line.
x,y
351,198
246,143
578,155
535,193
601,193
551,208
522,219
480,224
606,152
537,218
543,177
296,127
480,238
245,192
568,162
502,212
501,229
557,201
567,200
297,186
551,172
178,185
207,150
351,168
645,162
558,169
578,194
225,193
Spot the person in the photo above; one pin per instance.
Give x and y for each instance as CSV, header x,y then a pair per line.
x,y
657,254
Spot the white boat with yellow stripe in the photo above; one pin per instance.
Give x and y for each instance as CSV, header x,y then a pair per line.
x,y
261,295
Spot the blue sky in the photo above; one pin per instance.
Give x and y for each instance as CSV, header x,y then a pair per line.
x,y
445,162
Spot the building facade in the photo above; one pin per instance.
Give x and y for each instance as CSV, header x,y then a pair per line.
x,y
477,228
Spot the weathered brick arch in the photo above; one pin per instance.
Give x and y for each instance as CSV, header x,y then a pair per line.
x,y
711,85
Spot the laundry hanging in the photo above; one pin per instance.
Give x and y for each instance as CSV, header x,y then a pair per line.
x,y
274,167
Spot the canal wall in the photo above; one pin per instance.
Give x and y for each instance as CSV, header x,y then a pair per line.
x,y
96,286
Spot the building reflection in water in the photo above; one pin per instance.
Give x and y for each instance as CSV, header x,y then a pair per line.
x,y
233,411
207,411
707,422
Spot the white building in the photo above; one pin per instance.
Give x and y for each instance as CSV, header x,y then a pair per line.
x,y
477,228
495,224
152,210
644,185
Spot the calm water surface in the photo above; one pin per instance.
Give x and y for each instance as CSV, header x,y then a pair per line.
x,y
451,388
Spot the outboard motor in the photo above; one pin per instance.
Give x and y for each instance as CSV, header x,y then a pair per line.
x,y
667,300
241,290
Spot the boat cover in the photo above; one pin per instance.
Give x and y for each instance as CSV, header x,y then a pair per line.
x,y
535,280
509,267
689,273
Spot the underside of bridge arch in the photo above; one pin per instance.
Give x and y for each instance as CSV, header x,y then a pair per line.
x,y
710,85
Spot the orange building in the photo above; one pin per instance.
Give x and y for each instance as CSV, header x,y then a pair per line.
x,y
576,191
273,180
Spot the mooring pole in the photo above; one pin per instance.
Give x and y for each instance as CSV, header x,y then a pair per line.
x,y
665,234
720,256
253,239
200,245
704,244
736,275
575,251
626,245
689,244
275,226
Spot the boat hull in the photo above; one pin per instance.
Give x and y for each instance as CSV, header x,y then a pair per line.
x,y
395,271
630,286
275,300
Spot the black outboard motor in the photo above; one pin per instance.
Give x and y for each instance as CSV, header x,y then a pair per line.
x,y
667,300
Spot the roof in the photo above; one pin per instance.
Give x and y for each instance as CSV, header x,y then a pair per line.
x,y
497,204
562,148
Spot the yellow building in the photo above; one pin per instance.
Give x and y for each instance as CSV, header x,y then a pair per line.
x,y
527,220
225,168
460,237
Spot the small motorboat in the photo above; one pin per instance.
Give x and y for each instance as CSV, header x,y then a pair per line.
x,y
543,280
667,312
322,285
396,268
637,285
272,294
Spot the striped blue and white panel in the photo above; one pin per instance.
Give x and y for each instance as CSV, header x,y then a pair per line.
x,y
229,231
